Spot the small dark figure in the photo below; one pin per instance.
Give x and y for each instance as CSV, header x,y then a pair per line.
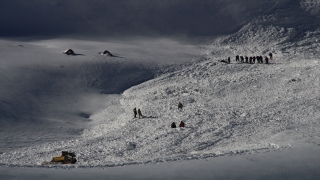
x,y
250,60
225,61
181,124
229,60
253,59
173,125
140,114
246,58
180,106
135,112
267,60
237,58
270,54
242,59
261,60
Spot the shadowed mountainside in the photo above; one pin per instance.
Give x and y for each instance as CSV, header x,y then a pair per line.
x,y
148,18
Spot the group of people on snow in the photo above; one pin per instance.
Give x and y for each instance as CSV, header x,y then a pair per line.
x,y
173,125
250,60
137,113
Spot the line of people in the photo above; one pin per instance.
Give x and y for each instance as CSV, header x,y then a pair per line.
x,y
254,59
250,60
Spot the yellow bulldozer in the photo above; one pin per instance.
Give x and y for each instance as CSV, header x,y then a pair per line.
x,y
65,158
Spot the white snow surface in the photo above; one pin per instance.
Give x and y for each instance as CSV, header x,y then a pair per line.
x,y
52,102
228,109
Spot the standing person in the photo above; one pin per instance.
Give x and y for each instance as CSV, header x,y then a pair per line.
x,y
237,58
140,114
229,60
181,124
180,105
267,60
135,112
270,54
173,125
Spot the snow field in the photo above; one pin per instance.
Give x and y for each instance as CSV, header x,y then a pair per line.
x,y
228,109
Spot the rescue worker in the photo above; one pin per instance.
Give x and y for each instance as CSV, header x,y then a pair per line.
x,y
135,112
267,60
270,54
180,105
181,124
140,114
237,58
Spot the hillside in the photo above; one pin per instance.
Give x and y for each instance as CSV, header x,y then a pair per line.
x,y
229,108
127,18
52,102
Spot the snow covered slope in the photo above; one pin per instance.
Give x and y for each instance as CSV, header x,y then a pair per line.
x,y
48,96
229,109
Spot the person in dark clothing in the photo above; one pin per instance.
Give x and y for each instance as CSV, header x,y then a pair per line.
x,y
253,60
135,112
229,60
180,106
225,61
173,125
246,58
270,54
267,60
181,124
237,58
242,59
261,60
140,114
